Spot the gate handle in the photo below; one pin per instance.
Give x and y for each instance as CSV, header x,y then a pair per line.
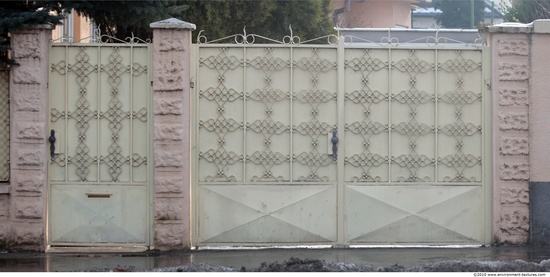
x,y
52,143
334,141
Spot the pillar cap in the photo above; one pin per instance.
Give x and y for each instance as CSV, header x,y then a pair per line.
x,y
46,26
511,27
541,26
173,23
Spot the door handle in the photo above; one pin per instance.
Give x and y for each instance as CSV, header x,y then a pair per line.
x,y
51,139
334,141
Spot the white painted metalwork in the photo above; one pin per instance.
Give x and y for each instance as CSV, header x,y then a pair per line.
x,y
100,173
4,125
409,164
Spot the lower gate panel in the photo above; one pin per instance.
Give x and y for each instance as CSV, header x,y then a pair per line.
x,y
414,214
245,214
98,214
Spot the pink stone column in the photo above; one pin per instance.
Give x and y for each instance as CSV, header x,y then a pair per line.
x,y
510,88
521,132
28,138
511,147
171,146
539,134
539,116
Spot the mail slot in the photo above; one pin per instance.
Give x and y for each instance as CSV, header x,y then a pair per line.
x,y
98,195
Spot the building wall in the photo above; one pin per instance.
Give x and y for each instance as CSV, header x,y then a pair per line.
x,y
75,28
431,23
375,14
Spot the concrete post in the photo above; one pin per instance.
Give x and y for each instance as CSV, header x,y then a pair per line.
x,y
171,146
28,139
539,134
521,85
510,86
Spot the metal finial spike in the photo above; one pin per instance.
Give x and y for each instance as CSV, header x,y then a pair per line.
x,y
290,27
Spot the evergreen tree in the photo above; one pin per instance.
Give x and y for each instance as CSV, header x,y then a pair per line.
x,y
528,11
123,18
308,18
17,14
457,13
220,18
120,19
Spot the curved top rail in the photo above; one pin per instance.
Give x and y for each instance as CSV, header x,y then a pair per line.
x,y
389,39
246,38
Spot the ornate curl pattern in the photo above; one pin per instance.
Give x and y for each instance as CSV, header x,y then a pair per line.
x,y
314,128
460,130
82,114
366,159
249,39
414,162
267,127
417,164
115,115
221,95
89,114
411,155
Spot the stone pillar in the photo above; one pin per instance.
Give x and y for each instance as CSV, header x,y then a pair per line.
x,y
521,86
28,138
171,146
539,134
510,87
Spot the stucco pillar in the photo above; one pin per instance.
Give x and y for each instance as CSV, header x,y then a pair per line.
x,y
510,87
28,139
539,133
171,146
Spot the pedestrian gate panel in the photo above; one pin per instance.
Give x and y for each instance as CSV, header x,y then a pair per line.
x,y
100,170
340,144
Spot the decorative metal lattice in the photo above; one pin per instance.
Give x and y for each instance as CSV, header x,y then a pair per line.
x,y
460,129
268,126
270,123
222,125
419,126
315,128
4,126
82,115
413,129
99,77
409,111
365,158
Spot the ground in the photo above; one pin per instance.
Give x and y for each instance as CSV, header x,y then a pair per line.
x,y
316,265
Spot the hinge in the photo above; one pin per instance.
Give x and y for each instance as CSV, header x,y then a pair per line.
x,y
488,83
151,83
192,82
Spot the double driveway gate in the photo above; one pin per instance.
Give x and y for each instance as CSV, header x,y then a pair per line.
x,y
343,144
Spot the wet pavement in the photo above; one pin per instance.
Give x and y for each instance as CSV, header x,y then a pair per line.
x,y
251,258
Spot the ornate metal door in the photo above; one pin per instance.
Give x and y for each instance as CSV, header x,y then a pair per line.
x,y
100,145
340,144
414,146
264,174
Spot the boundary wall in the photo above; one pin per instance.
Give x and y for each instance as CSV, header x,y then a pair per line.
x,y
521,144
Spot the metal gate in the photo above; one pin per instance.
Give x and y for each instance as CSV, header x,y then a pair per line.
x,y
100,169
340,144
